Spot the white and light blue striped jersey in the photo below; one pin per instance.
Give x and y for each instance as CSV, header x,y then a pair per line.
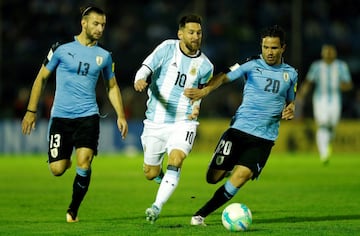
x,y
172,72
77,71
327,79
266,91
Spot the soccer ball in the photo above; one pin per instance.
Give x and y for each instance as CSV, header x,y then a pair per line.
x,y
236,217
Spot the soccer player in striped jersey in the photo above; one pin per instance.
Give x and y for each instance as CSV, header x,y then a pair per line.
x,y
74,121
171,119
268,97
329,77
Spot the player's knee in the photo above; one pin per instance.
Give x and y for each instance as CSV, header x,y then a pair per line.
x,y
58,168
176,158
241,175
149,176
150,172
57,171
214,176
212,180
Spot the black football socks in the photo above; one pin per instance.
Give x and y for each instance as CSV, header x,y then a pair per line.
x,y
80,187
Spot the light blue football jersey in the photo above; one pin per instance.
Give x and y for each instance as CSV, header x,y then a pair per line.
x,y
77,71
327,79
172,72
266,91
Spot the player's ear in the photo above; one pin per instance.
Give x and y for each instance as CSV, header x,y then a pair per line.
x,y
180,34
83,22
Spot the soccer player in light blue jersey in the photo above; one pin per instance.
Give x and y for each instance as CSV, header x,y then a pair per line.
x,y
329,77
74,121
268,97
171,119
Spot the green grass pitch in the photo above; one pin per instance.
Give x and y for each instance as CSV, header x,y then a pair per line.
x,y
295,195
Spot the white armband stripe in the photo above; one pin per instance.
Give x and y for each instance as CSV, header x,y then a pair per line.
x,y
234,67
142,73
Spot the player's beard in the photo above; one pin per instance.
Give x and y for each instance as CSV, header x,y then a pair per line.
x,y
191,47
92,36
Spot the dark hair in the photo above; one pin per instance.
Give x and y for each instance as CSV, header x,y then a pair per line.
x,y
274,31
88,9
191,18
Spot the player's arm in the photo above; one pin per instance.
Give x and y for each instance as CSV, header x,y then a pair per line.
x,y
29,120
195,110
304,90
115,98
288,113
140,82
196,94
345,83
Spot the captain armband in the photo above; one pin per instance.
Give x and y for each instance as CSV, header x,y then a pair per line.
x,y
234,67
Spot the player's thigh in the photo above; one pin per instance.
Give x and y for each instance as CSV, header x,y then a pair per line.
x,y
213,176
327,113
153,140
224,157
335,113
182,138
60,139
86,136
255,155
320,111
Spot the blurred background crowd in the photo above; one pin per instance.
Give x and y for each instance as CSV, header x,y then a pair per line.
x,y
231,34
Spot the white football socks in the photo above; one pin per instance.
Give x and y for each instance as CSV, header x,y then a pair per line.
x,y
323,137
167,187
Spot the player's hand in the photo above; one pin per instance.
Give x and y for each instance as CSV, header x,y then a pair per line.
x,y
288,112
140,85
195,113
123,127
195,94
28,123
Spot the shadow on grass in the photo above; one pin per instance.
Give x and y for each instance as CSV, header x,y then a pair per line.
x,y
307,219
211,222
289,219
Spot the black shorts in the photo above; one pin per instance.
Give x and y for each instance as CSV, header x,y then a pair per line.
x,y
238,148
65,134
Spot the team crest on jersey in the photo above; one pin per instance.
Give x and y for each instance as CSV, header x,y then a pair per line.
x,y
286,76
193,71
99,60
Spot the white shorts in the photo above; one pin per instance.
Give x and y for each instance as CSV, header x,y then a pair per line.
x,y
327,113
158,139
